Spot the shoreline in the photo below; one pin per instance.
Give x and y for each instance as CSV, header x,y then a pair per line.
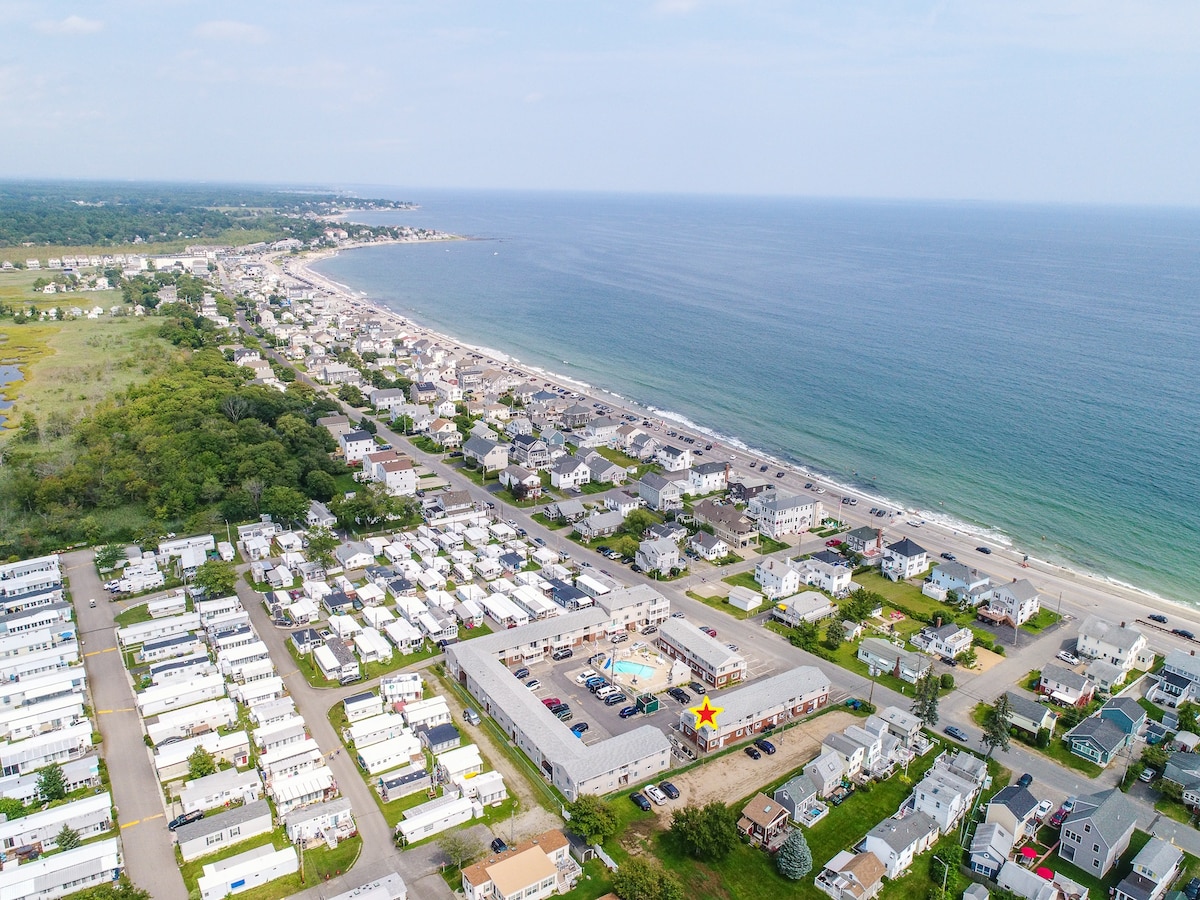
x,y
932,521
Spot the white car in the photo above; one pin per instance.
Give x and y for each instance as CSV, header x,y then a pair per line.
x,y
1043,810
1069,658
652,791
585,675
533,684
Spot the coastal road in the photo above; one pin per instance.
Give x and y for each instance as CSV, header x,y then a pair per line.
x,y
145,841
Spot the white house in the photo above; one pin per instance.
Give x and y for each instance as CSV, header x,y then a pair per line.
x,y
776,578
1016,602
658,555
946,641
904,559
356,444
778,514
1121,645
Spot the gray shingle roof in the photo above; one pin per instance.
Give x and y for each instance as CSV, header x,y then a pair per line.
x,y
1111,815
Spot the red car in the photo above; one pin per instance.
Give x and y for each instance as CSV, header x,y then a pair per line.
x,y
834,542
1059,817
551,701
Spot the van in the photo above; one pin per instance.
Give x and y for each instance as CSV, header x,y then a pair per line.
x,y
470,716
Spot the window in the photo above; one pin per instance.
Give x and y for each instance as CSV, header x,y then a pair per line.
x,y
1096,864
1087,829
1095,848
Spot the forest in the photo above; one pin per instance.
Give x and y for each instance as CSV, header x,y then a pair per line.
x,y
188,449
101,214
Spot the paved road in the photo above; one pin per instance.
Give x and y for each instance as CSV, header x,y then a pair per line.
x,y
149,851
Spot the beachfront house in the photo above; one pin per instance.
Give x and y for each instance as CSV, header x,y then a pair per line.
x,y
904,559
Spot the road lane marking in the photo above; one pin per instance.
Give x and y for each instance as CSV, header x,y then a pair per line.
x,y
125,825
101,712
98,652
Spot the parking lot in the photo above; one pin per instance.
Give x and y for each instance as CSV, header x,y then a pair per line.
x,y
558,681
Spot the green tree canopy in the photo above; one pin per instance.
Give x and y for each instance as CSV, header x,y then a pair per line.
x,y
592,818
794,859
201,763
706,832
217,577
925,699
638,878
67,838
52,783
996,723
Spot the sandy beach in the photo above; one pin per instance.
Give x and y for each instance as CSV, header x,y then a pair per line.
x,y
1073,593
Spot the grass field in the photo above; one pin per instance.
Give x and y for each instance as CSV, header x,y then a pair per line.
x,y
318,863
70,367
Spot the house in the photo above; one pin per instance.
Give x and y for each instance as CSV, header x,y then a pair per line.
x,y
832,576
437,739
1154,869
1126,713
1120,645
763,703
1179,678
889,659
904,559
659,492
328,822
569,472
1014,603
320,516
966,581
896,842
744,599
530,452
1105,675
354,555
489,455
708,478
807,607
728,523
946,641
1015,809
604,471
246,870
61,874
764,822
990,846
776,578
1097,739
778,515
851,876
826,772
521,481
599,524
576,416
532,870
944,796
445,433
1065,686
708,546
393,471
355,445
566,510
1028,884
659,555
1029,715
673,459
214,833
1097,831
865,540
797,795
1183,770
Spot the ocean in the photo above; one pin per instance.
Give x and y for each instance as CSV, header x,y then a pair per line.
x,y
1029,372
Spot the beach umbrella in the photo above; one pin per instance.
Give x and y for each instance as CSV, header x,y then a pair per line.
x,y
1028,853
1043,872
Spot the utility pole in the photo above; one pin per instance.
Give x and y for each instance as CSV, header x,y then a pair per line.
x,y
945,871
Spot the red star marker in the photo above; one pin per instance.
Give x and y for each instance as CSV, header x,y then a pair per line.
x,y
706,713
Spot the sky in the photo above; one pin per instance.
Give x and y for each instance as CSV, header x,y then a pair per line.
x,y
1026,101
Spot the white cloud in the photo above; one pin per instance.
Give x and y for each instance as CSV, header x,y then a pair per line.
x,y
230,31
69,25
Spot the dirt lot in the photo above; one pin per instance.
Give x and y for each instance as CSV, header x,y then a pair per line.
x,y
736,775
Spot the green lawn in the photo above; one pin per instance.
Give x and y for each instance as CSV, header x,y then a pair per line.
x,y
770,545
466,634
1154,711
743,579
318,862
616,456
722,604
553,524
133,615
1044,619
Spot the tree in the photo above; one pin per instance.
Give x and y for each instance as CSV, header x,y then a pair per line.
x,y
834,634
459,846
108,556
352,395
284,504
592,818
320,485
1187,717
321,544
201,763
968,658
925,699
639,878
52,783
216,577
706,832
996,723
794,859
68,838
12,808
121,889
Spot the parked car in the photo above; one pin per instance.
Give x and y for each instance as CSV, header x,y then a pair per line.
x,y
669,789
697,688
949,556
733,648
640,801
753,753
957,733
614,699
681,695
186,819
655,794
1059,817
709,630
628,712
521,673
1192,889
987,551
1147,775
650,629
498,845
677,615
1155,617
619,638
1025,780
765,746
1183,633
585,675
551,702
1043,810
539,542
833,542
579,728
1069,658
562,653
533,684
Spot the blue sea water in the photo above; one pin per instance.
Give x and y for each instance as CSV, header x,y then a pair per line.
x,y
1028,370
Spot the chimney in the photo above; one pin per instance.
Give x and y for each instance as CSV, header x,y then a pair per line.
x,y
1122,624
937,623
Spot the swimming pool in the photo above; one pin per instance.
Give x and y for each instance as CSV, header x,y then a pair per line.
x,y
625,667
